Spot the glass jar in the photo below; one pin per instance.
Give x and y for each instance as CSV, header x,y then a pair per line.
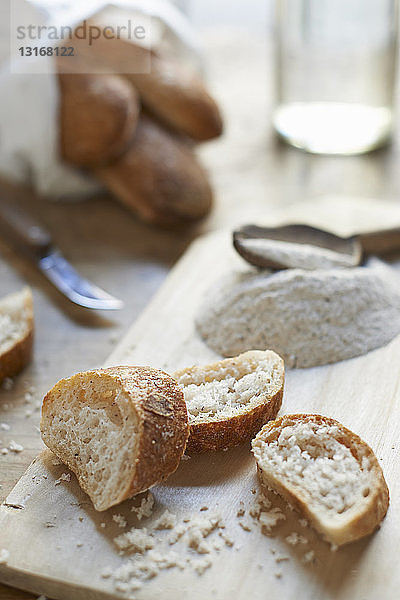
x,y
335,67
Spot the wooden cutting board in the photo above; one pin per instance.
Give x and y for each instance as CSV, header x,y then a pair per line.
x,y
58,545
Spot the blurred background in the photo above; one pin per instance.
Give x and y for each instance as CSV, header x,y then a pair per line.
x,y
134,219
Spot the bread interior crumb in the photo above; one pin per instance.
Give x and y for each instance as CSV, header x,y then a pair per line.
x,y
309,458
219,392
14,317
95,429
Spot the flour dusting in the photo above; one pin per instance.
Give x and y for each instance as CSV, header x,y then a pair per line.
x,y
308,317
296,255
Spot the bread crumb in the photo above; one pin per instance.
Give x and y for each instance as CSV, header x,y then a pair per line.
x,y
177,533
281,558
309,557
228,541
4,451
4,556
135,540
81,519
79,545
145,508
201,565
5,426
151,548
204,508
241,511
13,446
303,522
244,526
199,529
278,574
217,546
270,519
166,521
120,520
106,573
102,525
294,538
261,504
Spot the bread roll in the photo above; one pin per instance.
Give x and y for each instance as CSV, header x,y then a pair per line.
x,y
326,472
98,117
228,401
159,177
16,332
121,430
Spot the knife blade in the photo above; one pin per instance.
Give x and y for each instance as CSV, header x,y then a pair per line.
x,y
30,238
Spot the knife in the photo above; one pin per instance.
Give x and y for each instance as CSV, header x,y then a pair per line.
x,y
30,238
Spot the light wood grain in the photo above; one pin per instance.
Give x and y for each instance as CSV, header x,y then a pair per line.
x,y
362,393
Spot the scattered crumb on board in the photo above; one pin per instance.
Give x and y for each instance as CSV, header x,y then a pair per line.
x,y
13,446
63,477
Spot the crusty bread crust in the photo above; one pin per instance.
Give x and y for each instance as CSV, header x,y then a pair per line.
x,y
363,523
178,98
225,433
173,93
13,360
219,435
161,429
164,425
98,117
159,177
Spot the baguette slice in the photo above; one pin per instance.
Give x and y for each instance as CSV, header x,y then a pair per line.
x,y
16,332
230,400
326,472
121,430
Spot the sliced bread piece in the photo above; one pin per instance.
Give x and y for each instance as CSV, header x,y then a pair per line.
x,y
16,332
228,401
326,472
121,430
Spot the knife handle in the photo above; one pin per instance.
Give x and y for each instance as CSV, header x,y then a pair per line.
x,y
23,231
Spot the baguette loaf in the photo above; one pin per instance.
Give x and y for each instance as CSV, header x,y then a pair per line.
x,y
16,332
159,177
230,400
326,472
121,430
172,92
178,98
98,116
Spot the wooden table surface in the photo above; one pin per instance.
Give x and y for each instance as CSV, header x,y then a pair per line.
x,y
253,174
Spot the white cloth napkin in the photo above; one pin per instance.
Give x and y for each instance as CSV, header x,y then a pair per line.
x,y
29,101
